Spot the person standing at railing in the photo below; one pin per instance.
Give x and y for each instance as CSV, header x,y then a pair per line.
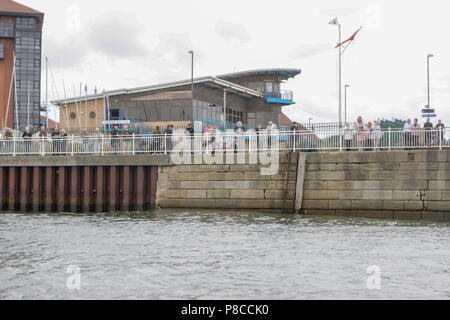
x,y
348,137
64,138
190,132
42,137
8,137
360,134
156,140
239,130
407,134
115,139
271,131
377,135
85,140
440,131
428,126
207,138
97,141
415,133
56,140
368,137
27,136
168,135
126,140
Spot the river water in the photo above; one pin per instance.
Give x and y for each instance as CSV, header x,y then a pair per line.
x,y
220,255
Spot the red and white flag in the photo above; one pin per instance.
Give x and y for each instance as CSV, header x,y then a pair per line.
x,y
350,39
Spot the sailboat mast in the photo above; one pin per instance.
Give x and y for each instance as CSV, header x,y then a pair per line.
x,y
46,92
28,105
10,90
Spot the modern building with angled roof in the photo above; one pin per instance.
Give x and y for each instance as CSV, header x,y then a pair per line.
x,y
253,97
20,33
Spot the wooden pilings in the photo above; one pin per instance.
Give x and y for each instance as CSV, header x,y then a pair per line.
x,y
78,189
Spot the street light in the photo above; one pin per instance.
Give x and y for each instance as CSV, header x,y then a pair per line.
x,y
191,52
428,77
346,86
336,23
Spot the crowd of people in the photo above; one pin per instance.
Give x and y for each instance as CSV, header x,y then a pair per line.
x,y
370,136
360,135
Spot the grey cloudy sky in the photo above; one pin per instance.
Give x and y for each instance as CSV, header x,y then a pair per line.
x,y
118,44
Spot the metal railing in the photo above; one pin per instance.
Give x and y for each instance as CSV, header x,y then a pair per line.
x,y
305,141
282,94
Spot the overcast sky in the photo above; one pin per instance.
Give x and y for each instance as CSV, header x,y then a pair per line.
x,y
115,44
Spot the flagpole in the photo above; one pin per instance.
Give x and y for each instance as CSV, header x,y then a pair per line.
x,y
340,79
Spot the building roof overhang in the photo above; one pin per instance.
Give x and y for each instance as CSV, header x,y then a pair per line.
x,y
283,73
208,81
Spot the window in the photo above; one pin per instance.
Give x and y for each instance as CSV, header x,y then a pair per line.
x,y
2,51
37,63
18,84
92,115
269,87
18,41
37,42
73,115
36,85
18,61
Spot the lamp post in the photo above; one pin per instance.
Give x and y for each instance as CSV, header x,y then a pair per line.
x,y
428,77
191,52
345,105
336,23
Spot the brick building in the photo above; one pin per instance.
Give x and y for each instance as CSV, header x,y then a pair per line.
x,y
20,33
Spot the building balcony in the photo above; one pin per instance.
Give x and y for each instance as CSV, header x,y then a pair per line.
x,y
280,97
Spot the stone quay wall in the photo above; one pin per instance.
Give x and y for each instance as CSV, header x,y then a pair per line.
x,y
235,186
390,185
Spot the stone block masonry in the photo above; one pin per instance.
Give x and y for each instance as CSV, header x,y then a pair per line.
x,y
400,184
238,186
395,184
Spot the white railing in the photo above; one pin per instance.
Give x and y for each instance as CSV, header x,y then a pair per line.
x,y
305,141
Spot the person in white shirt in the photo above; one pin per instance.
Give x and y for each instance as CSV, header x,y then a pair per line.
x,y
407,133
271,132
377,134
348,136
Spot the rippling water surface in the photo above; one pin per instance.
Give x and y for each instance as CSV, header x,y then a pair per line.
x,y
220,255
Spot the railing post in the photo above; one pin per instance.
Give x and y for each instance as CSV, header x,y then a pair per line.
x,y
340,138
165,143
441,137
14,146
389,139
295,142
133,151
103,144
71,153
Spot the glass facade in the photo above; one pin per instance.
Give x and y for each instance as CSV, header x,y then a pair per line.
x,y
28,71
6,30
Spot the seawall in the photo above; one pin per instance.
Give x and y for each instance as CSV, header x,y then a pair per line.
x,y
395,184
388,185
